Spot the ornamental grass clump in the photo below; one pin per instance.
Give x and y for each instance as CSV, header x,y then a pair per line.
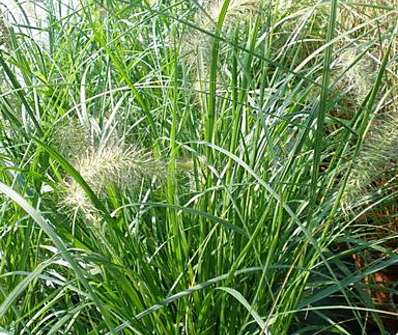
x,y
236,232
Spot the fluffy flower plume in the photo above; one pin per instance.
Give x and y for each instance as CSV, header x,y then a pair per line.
x,y
112,164
71,139
237,10
356,70
376,167
3,32
377,161
196,46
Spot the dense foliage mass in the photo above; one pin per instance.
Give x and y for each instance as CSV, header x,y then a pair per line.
x,y
199,167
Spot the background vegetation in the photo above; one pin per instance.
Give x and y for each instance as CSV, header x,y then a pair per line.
x,y
187,167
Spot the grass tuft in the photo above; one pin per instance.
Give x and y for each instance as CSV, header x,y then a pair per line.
x,y
198,167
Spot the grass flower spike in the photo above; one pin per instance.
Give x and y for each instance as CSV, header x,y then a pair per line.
x,y
356,71
116,165
237,10
3,32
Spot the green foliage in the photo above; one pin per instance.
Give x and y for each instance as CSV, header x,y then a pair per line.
x,y
185,167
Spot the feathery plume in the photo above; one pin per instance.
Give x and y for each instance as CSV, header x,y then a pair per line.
x,y
71,139
196,46
356,79
110,164
377,164
238,10
4,32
